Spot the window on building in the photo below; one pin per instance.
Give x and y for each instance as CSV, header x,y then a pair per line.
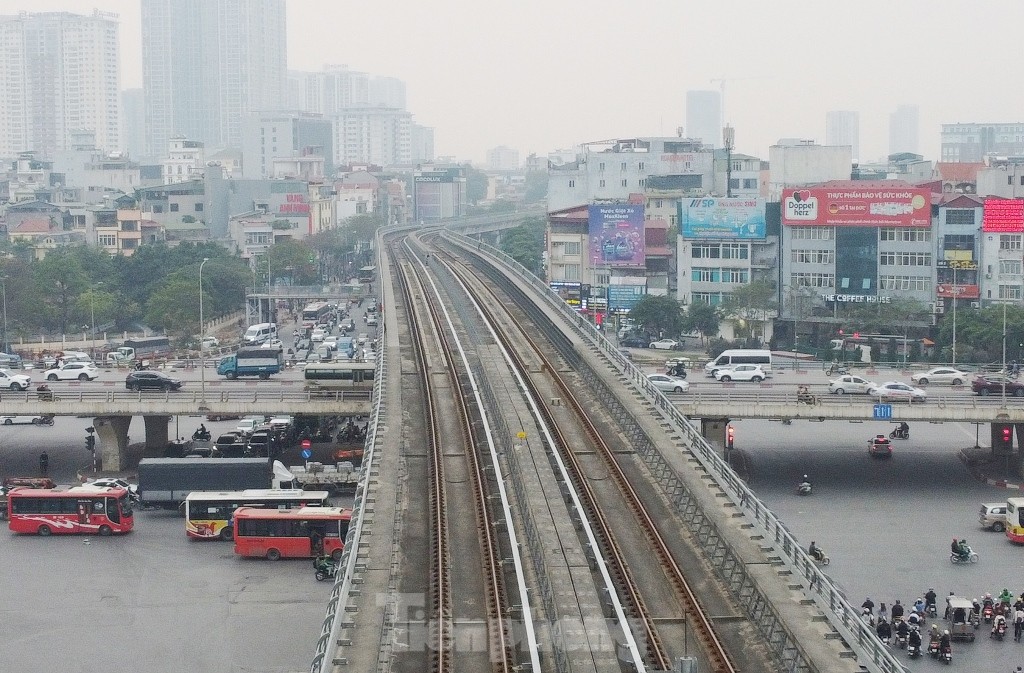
x,y
749,183
572,184
907,283
107,240
572,271
657,203
905,259
199,207
129,244
706,251
960,215
735,251
600,166
1009,291
174,207
642,182
735,276
1010,242
672,220
906,234
573,247
700,274
813,233
603,278
1009,267
813,280
958,242
734,183
640,166
623,165
812,256
157,208
600,183
625,183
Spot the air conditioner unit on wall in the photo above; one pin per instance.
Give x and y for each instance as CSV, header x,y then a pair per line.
x,y
975,304
940,309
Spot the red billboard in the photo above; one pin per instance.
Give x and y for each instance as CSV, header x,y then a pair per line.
x,y
958,291
1004,216
870,206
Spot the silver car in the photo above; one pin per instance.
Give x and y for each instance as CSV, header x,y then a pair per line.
x,y
894,390
941,375
850,384
668,384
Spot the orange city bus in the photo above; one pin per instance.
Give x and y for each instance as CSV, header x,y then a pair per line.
x,y
297,533
1015,520
209,514
80,509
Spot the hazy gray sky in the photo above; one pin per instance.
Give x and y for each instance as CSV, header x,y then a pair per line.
x,y
544,74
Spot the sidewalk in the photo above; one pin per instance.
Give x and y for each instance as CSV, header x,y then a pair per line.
x,y
998,471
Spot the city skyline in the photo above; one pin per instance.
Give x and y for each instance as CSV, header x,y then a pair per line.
x,y
480,87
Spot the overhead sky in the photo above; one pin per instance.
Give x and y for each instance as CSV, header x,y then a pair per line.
x,y
538,75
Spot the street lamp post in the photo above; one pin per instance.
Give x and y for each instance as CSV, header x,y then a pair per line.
x,y
92,317
3,282
202,336
1005,373
955,293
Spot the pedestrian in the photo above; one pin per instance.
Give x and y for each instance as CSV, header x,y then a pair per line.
x,y
1018,623
44,463
883,612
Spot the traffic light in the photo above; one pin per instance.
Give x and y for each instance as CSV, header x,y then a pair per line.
x,y
90,443
730,436
1007,434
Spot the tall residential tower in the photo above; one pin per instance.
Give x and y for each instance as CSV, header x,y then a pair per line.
x,y
59,72
842,127
208,63
704,117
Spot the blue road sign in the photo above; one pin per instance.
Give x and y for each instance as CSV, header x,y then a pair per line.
x,y
307,454
883,412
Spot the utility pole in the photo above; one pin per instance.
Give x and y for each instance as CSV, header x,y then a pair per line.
x,y
729,139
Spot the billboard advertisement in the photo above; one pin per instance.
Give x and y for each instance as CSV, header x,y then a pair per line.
x,y
1003,216
959,291
622,298
616,235
722,218
868,206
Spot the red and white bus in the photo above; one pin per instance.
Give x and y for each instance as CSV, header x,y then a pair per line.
x,y
210,514
305,532
315,314
80,509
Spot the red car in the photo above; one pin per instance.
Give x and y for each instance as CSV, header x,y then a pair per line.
x,y
992,384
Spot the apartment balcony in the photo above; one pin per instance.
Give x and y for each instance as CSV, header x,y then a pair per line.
x,y
764,261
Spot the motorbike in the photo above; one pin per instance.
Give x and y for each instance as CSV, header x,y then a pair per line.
x,y
946,655
324,567
804,488
931,610
987,613
914,650
899,434
837,370
933,648
999,632
43,420
820,557
957,559
901,640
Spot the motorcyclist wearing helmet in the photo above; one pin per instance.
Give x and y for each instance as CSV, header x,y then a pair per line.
x,y
815,551
884,630
805,483
998,624
944,641
902,629
914,639
904,429
929,599
919,606
1006,597
896,611
954,548
964,550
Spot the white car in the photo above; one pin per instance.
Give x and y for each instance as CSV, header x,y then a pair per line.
x,y
941,375
664,344
331,341
741,373
113,482
668,384
318,334
73,371
26,420
211,342
272,344
850,385
9,379
894,390
361,339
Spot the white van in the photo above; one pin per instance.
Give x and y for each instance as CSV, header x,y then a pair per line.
x,y
740,356
257,334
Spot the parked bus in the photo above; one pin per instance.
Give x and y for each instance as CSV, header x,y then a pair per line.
x,y
315,314
297,533
1015,520
367,274
80,509
209,514
344,375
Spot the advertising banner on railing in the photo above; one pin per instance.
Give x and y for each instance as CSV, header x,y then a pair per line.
x,y
722,218
616,235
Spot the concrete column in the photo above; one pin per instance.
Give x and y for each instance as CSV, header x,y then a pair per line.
x,y
713,430
157,435
112,433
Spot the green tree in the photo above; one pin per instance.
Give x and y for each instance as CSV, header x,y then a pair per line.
x,y
174,307
536,187
291,259
525,244
62,278
753,302
703,318
659,315
476,184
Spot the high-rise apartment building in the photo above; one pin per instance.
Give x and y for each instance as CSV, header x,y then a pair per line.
x,y
337,88
133,122
903,129
422,144
704,117
974,142
372,135
502,158
59,72
207,64
842,127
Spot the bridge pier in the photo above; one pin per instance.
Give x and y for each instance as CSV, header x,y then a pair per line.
x,y
713,430
157,435
113,441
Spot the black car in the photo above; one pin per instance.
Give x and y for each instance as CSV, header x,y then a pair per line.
x,y
151,380
635,342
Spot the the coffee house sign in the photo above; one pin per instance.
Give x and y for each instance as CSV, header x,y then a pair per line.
x,y
856,298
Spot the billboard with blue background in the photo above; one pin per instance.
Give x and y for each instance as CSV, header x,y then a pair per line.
x,y
709,217
616,235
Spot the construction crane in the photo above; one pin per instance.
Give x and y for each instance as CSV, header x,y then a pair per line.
x,y
721,87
